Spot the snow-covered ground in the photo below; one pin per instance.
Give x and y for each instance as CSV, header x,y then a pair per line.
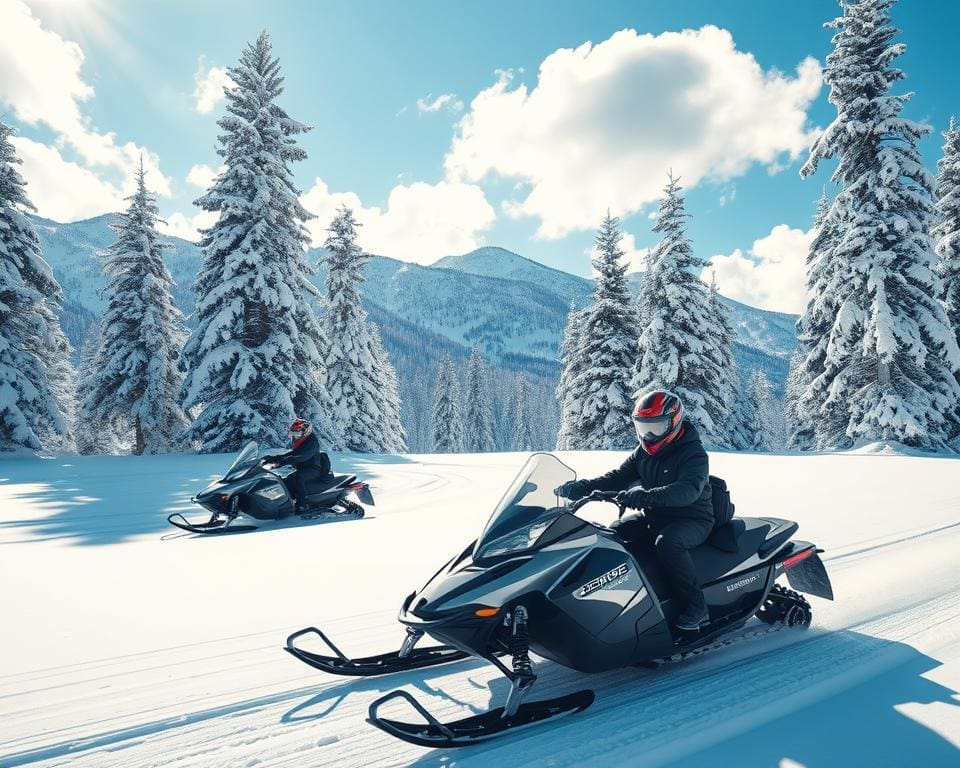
x,y
127,644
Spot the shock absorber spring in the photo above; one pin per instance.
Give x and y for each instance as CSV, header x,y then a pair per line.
x,y
519,644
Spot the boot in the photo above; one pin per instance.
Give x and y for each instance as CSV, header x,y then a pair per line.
x,y
693,616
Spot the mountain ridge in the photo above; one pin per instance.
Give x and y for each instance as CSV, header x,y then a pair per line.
x,y
516,318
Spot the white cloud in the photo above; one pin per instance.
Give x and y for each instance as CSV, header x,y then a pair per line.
x,y
448,101
41,80
187,227
772,275
606,122
209,83
202,176
421,223
63,190
635,257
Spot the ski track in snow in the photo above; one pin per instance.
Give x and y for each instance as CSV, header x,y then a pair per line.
x,y
199,678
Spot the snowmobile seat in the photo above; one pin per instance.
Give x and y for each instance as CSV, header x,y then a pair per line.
x,y
713,562
780,532
726,536
324,484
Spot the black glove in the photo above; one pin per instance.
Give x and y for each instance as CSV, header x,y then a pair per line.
x,y
635,498
271,459
573,489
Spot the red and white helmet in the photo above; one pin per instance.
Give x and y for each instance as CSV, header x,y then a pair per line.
x,y
299,431
658,419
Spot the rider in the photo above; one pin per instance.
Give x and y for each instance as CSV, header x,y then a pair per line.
x,y
666,479
309,462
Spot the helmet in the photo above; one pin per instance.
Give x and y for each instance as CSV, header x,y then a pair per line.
x,y
657,417
299,430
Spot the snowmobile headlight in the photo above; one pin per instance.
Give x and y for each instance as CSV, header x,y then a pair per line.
x,y
272,492
519,540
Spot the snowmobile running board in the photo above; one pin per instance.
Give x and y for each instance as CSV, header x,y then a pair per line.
x,y
213,525
369,666
477,728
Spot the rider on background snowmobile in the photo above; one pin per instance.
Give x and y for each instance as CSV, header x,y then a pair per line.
x,y
667,479
310,464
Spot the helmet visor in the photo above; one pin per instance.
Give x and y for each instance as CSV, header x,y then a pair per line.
x,y
652,429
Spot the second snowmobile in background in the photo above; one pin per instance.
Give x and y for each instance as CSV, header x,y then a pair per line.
x,y
541,579
251,494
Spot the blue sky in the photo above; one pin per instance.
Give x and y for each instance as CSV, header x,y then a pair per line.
x,y
93,84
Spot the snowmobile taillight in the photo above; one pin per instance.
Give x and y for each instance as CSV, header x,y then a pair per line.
x,y
485,613
224,497
794,559
356,486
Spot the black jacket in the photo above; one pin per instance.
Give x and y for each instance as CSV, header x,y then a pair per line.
x,y
306,456
677,478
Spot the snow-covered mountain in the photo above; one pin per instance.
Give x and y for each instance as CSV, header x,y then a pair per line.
x,y
491,261
511,307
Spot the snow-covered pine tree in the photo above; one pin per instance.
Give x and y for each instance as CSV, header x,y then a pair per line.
x,y
92,438
366,412
394,437
478,411
571,362
523,430
253,362
767,418
643,298
600,392
678,350
447,414
893,351
136,378
946,232
734,422
62,379
791,401
809,419
36,379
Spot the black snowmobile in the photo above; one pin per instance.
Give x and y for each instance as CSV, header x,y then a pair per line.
x,y
541,579
251,494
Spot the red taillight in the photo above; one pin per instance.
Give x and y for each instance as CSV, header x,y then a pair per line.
x,y
794,559
356,486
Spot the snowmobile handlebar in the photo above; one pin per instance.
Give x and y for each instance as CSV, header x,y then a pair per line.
x,y
611,497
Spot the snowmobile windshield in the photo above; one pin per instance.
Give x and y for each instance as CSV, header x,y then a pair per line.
x,y
528,507
245,459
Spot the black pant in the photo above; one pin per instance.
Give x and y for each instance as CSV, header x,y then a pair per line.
x,y
297,483
671,538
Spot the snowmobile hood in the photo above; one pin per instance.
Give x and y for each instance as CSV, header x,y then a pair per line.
x,y
463,585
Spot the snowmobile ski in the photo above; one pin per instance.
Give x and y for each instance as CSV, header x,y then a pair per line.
x,y
476,728
216,524
369,666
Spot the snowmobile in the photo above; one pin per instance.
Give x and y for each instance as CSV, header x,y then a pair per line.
x,y
540,579
251,493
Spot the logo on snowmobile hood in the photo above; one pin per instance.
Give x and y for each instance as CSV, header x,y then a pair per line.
x,y
611,578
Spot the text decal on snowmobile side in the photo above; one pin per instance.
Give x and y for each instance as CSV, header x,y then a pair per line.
x,y
742,583
611,578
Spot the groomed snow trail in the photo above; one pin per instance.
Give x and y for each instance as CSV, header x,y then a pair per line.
x,y
126,644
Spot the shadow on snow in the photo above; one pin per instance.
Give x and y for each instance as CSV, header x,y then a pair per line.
x,y
797,703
